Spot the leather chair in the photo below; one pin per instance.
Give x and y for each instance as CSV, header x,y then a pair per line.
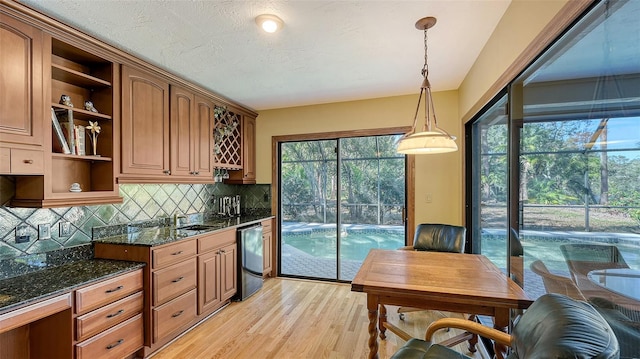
x,y
624,321
438,238
554,326
435,238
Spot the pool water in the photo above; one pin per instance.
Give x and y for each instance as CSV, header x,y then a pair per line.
x,y
356,244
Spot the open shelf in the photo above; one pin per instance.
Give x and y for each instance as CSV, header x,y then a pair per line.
x,y
81,158
81,114
64,74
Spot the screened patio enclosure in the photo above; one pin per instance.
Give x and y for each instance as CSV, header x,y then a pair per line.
x,y
555,163
338,199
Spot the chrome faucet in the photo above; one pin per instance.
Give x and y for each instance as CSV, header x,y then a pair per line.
x,y
180,219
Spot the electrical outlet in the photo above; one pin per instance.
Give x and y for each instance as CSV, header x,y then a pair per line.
x,y
22,234
65,229
44,231
428,198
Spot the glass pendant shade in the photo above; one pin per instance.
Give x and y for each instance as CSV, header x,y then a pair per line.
x,y
428,142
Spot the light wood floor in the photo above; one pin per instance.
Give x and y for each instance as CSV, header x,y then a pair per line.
x,y
296,319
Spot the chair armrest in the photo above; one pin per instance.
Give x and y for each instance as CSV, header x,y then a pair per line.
x,y
471,327
406,248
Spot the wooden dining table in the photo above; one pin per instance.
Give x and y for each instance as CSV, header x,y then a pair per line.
x,y
453,282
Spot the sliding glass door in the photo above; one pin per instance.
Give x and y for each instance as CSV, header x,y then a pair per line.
x,y
339,198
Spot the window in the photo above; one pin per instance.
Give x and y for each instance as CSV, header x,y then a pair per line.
x,y
555,170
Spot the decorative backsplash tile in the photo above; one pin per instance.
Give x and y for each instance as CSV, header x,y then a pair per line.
x,y
141,202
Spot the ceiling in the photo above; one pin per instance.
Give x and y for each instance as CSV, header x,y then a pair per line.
x,y
328,51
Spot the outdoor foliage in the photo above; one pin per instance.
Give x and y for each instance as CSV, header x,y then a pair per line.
x,y
371,181
561,166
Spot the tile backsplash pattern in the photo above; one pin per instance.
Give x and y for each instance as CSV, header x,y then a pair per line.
x,y
141,202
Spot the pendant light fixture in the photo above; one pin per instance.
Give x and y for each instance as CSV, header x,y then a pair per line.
x,y
431,139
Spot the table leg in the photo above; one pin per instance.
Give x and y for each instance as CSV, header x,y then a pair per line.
x,y
372,307
501,322
382,318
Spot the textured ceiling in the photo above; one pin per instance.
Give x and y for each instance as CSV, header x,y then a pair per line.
x,y
328,51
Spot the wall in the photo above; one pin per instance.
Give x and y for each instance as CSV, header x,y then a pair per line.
x,y
438,175
141,202
441,176
521,23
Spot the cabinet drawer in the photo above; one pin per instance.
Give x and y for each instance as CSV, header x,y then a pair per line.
x,y
5,160
27,161
174,253
107,291
100,319
216,240
170,282
174,315
117,342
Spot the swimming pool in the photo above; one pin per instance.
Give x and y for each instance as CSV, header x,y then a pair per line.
x,y
356,240
355,243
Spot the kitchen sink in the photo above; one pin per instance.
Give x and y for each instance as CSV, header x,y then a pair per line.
x,y
198,227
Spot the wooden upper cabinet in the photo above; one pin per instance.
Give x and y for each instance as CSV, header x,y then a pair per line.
x,y
145,124
203,132
182,116
21,88
191,135
247,175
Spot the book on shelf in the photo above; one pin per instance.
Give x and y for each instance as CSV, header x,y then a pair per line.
x,y
66,121
80,140
57,129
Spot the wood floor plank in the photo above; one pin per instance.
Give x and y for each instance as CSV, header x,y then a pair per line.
x,y
296,319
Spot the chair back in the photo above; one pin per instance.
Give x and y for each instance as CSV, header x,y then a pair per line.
x,y
556,326
516,252
582,258
439,238
555,283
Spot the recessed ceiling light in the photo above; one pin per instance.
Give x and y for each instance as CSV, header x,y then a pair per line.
x,y
269,23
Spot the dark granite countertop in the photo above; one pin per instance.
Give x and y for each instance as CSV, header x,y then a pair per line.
x,y
159,235
33,287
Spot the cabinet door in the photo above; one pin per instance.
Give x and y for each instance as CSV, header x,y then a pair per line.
x,y
266,253
203,141
182,115
145,123
208,281
21,88
229,277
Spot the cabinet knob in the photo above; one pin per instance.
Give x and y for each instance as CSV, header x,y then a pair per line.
x,y
196,173
167,172
27,161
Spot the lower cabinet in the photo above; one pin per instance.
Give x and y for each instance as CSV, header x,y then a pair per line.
x,y
108,317
267,248
186,281
217,270
118,342
174,315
